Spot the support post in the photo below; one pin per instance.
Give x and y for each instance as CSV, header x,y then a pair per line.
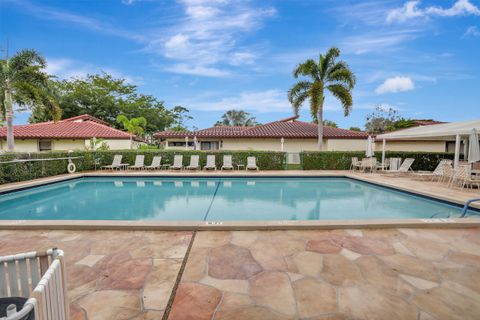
x,y
384,142
457,151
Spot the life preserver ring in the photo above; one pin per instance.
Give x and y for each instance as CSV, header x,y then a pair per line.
x,y
71,168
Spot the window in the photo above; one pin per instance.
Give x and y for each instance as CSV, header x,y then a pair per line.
x,y
45,145
179,144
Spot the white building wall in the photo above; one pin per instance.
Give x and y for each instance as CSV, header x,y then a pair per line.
x,y
31,145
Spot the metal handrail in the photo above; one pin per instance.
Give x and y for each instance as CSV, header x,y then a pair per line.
x,y
467,204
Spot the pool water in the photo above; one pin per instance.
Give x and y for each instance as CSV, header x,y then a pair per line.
x,y
217,199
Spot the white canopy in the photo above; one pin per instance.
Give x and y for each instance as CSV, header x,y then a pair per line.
x,y
441,131
444,131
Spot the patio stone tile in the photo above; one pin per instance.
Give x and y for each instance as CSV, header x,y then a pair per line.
x,y
364,245
273,290
227,285
400,248
250,313
443,303
197,265
309,292
468,277
462,290
412,266
340,271
232,262
76,312
308,263
466,246
195,301
419,283
377,273
149,315
159,283
323,246
111,304
244,238
90,260
350,255
123,272
465,258
390,235
368,302
271,252
232,300
212,239
427,249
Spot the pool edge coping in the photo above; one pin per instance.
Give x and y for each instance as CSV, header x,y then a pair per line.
x,y
233,225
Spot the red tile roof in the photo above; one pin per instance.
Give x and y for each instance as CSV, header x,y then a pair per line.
x,y
426,122
80,127
286,128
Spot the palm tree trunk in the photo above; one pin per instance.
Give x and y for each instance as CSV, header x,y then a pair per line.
x,y
9,118
320,128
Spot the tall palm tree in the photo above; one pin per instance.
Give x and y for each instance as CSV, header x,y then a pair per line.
x,y
23,83
134,126
334,76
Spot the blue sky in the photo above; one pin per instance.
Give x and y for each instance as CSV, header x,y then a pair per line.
x,y
420,57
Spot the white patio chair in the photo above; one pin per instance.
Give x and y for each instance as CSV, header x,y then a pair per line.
x,y
368,164
30,275
139,163
210,165
355,164
437,173
462,177
116,163
227,163
193,163
251,164
156,163
405,167
177,162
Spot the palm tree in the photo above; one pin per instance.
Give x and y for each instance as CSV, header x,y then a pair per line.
x,y
237,118
134,126
23,83
334,76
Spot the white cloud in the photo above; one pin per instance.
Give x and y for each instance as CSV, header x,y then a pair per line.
x,y
395,84
411,10
204,71
272,100
377,41
472,31
206,37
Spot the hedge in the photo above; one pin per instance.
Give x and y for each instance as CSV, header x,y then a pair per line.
x,y
339,160
21,171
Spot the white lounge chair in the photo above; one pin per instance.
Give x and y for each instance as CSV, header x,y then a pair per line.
x,y
177,162
139,163
227,163
251,164
193,163
45,285
405,167
210,163
462,177
156,163
116,163
437,173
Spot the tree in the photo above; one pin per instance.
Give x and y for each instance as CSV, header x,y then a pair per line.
x,y
334,76
106,97
330,123
134,126
237,118
24,84
181,116
385,119
355,129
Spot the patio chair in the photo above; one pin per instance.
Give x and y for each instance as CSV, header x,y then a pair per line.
x,y
210,163
139,163
251,164
437,173
368,164
462,177
383,166
227,163
405,167
30,275
156,163
355,164
193,163
177,162
116,163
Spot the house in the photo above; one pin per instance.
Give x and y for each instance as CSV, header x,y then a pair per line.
x,y
289,135
69,134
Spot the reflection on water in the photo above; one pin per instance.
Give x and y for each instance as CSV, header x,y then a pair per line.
x,y
233,199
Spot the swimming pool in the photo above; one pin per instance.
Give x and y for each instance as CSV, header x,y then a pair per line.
x,y
218,199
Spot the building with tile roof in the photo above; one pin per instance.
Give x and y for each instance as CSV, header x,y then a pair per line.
x,y
69,134
290,135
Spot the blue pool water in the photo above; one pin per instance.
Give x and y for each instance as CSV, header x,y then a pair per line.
x,y
217,199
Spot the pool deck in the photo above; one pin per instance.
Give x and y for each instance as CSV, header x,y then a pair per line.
x,y
405,183
402,273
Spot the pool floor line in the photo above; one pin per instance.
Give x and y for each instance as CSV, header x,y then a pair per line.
x,y
211,202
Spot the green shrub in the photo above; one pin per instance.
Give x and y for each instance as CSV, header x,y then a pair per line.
x,y
339,160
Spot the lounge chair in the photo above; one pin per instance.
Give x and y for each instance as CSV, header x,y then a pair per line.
x,y
405,167
156,163
116,163
48,297
355,164
227,163
139,163
177,162
251,164
437,173
463,178
368,164
193,163
210,163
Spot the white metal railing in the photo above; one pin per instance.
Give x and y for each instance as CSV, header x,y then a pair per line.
x,y
42,278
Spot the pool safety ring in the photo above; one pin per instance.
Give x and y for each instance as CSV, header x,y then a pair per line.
x,y
71,168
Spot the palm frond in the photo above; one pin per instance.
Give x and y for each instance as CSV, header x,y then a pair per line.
x,y
342,93
298,94
325,62
307,69
342,76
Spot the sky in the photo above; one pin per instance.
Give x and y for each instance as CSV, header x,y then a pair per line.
x,y
419,57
